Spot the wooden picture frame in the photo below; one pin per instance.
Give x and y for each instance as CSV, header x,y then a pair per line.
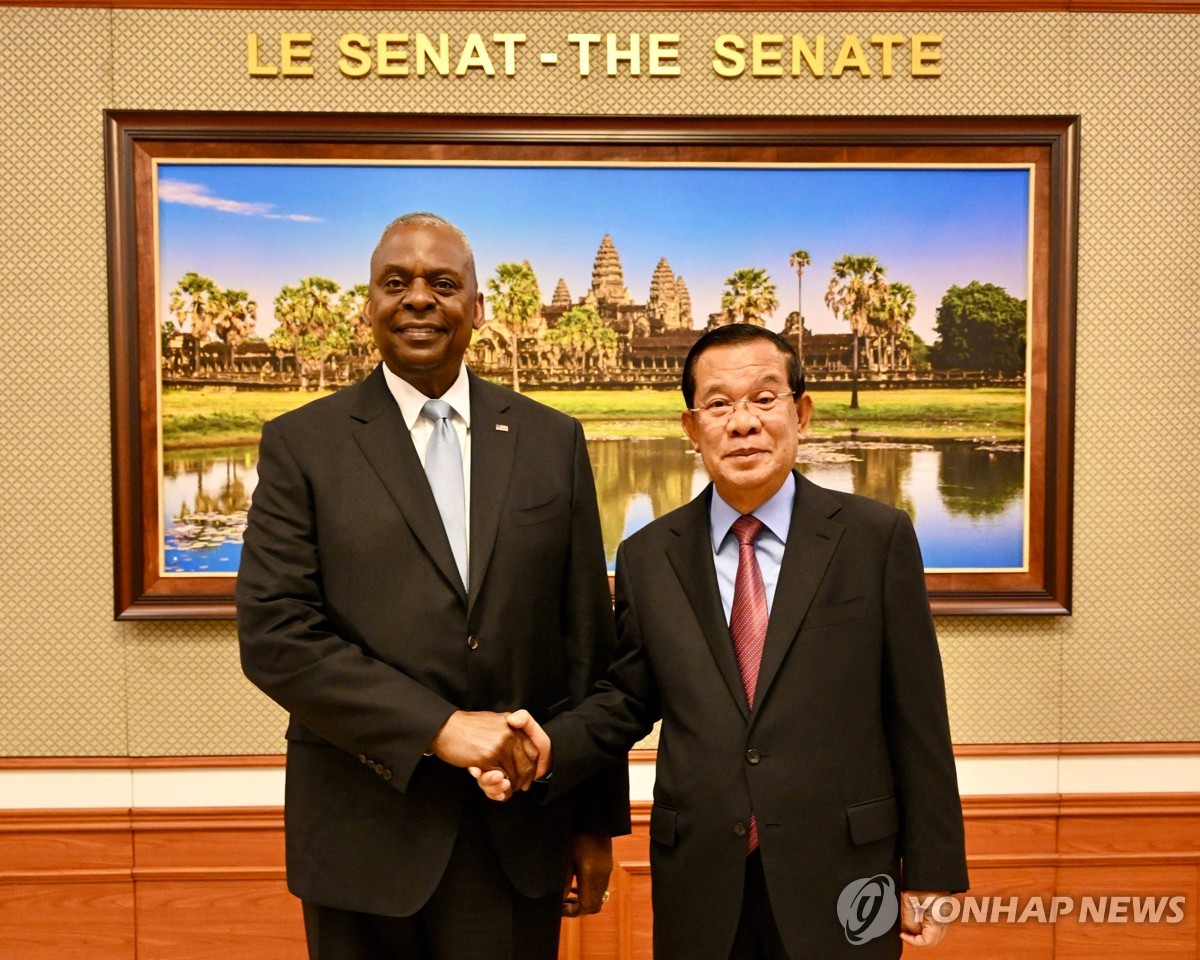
x,y
136,141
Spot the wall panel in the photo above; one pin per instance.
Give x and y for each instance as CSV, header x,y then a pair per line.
x,y
82,684
208,884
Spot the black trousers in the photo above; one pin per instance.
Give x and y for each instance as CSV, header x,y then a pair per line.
x,y
757,935
474,914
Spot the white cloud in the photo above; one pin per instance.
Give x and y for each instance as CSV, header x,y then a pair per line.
x,y
297,217
198,195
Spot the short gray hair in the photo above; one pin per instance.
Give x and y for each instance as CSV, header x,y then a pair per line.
x,y
424,218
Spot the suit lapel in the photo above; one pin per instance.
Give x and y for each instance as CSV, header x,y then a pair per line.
x,y
812,539
384,440
493,444
691,555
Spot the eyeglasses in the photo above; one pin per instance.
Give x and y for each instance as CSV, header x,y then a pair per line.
x,y
720,409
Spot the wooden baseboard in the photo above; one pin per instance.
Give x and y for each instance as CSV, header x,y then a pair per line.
x,y
209,882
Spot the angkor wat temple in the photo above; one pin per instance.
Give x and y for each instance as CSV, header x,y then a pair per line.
x,y
651,341
653,337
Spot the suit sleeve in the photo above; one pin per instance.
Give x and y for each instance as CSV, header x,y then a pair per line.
x,y
600,804
622,708
289,648
917,725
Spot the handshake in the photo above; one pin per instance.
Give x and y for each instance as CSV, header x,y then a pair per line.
x,y
504,752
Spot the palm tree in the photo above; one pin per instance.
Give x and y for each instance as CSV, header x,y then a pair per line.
x,y
876,339
234,316
858,288
898,310
516,301
798,261
569,334
352,307
584,334
310,320
191,302
749,296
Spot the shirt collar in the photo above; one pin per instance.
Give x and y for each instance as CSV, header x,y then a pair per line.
x,y
775,514
411,400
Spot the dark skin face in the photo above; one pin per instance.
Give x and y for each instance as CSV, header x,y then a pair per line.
x,y
423,304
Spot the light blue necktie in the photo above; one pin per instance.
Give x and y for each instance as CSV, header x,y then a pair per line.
x,y
444,468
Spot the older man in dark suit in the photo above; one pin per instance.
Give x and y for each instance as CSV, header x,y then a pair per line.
x,y
783,634
423,555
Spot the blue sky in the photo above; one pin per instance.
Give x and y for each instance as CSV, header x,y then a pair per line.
x,y
258,227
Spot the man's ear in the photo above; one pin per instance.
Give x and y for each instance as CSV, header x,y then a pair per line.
x,y
368,308
804,409
691,428
478,322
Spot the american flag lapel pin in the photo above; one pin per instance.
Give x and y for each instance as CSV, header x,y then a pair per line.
x,y
502,427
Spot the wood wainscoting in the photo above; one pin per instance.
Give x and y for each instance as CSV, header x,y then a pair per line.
x,y
193,884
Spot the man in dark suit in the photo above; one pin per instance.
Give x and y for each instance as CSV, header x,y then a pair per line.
x,y
782,633
423,555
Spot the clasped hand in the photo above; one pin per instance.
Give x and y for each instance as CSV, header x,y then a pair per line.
x,y
497,780
591,854
504,752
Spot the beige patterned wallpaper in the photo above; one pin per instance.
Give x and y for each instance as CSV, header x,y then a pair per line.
x,y
1122,668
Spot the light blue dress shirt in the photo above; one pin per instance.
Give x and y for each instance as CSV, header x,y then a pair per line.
x,y
776,516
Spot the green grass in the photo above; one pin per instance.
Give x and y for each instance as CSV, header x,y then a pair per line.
x,y
213,418
203,418
613,404
922,414
910,414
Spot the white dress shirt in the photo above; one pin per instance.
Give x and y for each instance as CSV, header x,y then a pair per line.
x,y
411,401
776,517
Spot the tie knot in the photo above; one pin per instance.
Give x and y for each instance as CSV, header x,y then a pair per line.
x,y
437,410
746,529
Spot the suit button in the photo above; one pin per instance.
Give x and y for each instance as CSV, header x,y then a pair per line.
x,y
361,758
740,829
473,642
386,774
752,756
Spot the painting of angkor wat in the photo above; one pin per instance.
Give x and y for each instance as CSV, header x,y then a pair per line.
x,y
905,290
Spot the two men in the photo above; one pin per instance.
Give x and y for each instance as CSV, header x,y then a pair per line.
x,y
423,554
782,633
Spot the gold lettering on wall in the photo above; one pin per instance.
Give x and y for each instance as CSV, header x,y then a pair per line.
x,y
926,61
814,56
294,50
729,60
253,64
356,54
406,53
767,56
851,57
664,54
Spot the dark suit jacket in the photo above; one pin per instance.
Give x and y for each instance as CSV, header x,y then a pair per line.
x,y
845,759
352,616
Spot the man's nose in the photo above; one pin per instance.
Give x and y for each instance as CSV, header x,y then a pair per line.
x,y
743,420
418,296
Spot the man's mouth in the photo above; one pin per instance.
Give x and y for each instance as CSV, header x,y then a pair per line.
x,y
420,331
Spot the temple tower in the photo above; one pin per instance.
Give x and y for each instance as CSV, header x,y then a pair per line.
x,y
608,279
562,296
662,308
685,304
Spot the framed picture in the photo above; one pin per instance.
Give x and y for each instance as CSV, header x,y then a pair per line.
x,y
924,267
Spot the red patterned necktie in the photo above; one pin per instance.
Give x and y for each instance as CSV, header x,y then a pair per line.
x,y
748,621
